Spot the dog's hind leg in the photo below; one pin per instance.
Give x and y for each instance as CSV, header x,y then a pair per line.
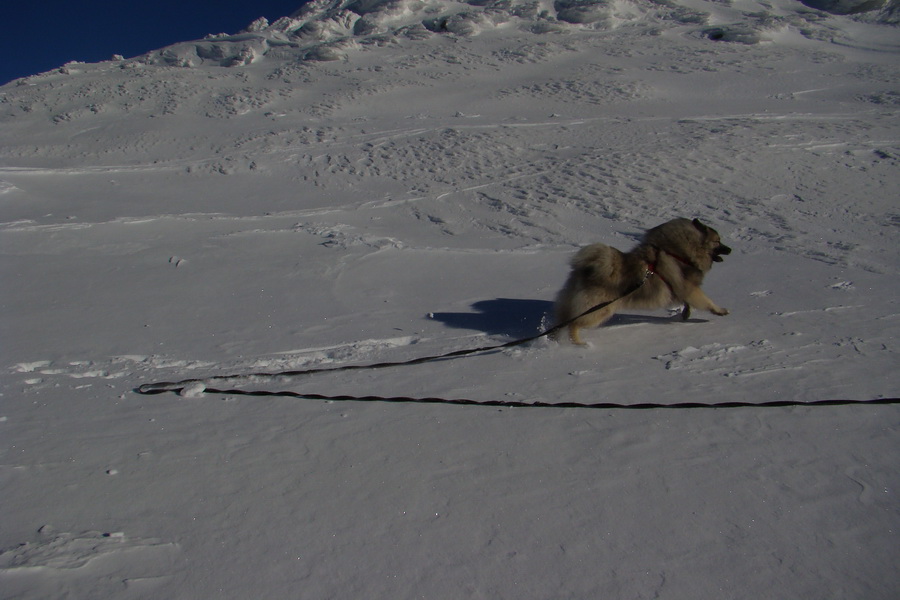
x,y
575,335
593,319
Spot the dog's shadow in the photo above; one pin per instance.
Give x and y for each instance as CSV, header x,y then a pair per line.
x,y
519,318
501,316
621,319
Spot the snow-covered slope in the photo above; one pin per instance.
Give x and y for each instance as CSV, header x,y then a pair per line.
x,y
377,181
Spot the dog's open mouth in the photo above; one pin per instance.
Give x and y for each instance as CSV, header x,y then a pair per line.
x,y
719,251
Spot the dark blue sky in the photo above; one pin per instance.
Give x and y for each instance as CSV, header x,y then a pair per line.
x,y
39,35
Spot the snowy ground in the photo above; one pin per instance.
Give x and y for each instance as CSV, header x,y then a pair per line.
x,y
420,195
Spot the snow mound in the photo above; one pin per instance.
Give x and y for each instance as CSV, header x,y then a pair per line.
x,y
852,7
326,30
330,30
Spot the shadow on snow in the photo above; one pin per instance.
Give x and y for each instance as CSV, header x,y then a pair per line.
x,y
519,318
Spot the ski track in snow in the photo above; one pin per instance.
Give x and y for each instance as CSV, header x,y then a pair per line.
x,y
247,205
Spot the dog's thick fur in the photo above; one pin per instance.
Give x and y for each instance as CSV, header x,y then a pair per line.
x,y
677,253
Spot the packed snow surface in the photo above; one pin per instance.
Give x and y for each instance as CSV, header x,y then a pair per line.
x,y
374,181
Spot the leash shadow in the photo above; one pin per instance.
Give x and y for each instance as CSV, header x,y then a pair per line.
x,y
515,317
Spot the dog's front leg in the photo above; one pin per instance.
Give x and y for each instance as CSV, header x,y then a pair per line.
x,y
697,299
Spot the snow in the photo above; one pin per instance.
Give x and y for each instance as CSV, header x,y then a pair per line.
x,y
366,182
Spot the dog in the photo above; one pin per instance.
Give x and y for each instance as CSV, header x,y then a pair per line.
x,y
666,268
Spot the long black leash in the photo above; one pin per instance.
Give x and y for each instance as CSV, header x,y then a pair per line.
x,y
540,404
161,387
176,386
202,386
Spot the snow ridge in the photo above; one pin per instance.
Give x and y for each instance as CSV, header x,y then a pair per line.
x,y
327,30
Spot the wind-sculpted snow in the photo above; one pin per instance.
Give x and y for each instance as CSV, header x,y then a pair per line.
x,y
885,11
333,30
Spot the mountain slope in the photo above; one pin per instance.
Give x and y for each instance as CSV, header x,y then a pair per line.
x,y
366,182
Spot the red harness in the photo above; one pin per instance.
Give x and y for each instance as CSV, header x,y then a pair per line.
x,y
651,269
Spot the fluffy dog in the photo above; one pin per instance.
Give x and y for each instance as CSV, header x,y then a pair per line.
x,y
671,260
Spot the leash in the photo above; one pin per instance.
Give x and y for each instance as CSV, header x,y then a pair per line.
x,y
179,386
540,404
161,387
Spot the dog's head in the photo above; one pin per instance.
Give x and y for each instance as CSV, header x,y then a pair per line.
x,y
712,242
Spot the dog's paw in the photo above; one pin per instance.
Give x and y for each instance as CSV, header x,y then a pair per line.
x,y
719,311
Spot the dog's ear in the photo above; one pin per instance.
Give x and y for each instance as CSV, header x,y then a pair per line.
x,y
700,226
